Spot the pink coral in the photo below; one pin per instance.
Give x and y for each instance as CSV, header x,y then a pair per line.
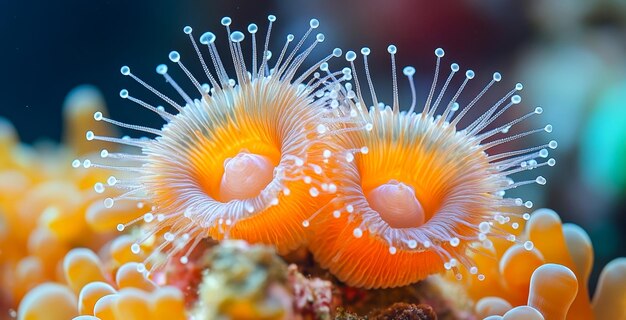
x,y
311,295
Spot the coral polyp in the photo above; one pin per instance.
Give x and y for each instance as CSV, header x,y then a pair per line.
x,y
426,191
245,160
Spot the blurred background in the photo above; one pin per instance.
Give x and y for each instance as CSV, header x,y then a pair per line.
x,y
569,54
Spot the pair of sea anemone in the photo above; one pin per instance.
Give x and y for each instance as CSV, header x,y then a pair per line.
x,y
290,156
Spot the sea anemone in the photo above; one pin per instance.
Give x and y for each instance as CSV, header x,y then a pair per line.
x,y
93,290
44,201
246,161
424,191
551,278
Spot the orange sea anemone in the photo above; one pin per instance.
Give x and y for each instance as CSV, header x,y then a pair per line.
x,y
245,161
44,202
552,278
425,191
91,290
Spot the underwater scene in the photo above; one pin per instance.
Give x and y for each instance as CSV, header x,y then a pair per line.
x,y
235,160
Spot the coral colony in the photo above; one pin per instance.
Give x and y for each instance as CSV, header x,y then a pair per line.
x,y
402,206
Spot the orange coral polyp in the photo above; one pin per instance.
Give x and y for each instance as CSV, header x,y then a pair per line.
x,y
444,189
405,246
245,160
230,202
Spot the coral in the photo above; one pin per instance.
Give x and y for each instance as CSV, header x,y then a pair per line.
x,y
404,311
43,200
519,313
397,311
390,198
48,301
608,300
244,282
312,296
552,277
491,306
446,303
91,289
551,283
342,314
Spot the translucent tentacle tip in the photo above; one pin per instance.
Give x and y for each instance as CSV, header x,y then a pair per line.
x,y
98,187
125,70
174,56
408,71
207,38
540,180
271,18
350,56
237,36
226,21
314,23
123,93
187,29
470,74
108,203
392,49
252,28
439,52
162,69
365,51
